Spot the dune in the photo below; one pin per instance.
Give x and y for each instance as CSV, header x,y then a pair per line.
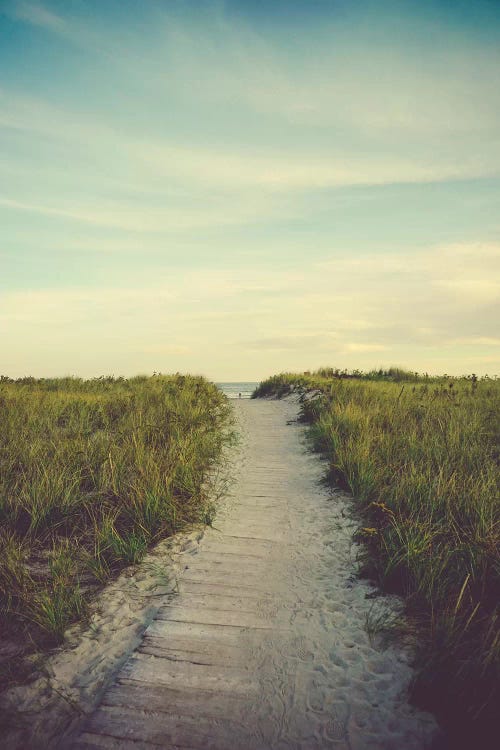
x,y
254,633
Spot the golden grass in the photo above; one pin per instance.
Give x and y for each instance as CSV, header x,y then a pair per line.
x,y
91,474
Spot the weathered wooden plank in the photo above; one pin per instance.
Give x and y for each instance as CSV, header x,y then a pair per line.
x,y
217,633
217,554
251,525
253,568
132,695
196,652
240,582
230,545
205,616
226,602
189,642
241,531
167,730
201,585
155,670
227,572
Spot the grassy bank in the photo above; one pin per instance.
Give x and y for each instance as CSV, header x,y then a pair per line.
x,y
91,474
421,457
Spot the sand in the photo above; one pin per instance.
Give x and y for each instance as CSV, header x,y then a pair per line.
x,y
268,641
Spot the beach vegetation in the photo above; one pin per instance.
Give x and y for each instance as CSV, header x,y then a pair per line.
x,y
92,473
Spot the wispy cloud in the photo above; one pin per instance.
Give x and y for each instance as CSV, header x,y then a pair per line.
x,y
36,14
199,166
132,216
240,202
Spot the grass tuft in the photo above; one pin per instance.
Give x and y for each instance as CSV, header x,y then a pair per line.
x,y
91,474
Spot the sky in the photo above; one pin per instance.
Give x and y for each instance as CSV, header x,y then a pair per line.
x,y
242,188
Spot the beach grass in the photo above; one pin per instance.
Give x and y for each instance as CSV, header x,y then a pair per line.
x,y
92,473
421,458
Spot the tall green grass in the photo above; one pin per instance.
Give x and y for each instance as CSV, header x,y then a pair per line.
x,y
91,474
421,457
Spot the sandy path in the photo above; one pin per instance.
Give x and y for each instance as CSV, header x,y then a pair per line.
x,y
265,645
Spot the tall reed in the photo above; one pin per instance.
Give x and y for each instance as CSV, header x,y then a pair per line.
x,y
91,474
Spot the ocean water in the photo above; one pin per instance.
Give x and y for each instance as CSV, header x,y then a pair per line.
x,y
232,390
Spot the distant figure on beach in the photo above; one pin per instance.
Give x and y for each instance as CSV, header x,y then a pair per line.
x,y
239,395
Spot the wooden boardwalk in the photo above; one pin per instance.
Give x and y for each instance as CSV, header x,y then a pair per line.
x,y
244,655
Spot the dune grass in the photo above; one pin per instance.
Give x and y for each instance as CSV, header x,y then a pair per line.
x,y
421,457
91,474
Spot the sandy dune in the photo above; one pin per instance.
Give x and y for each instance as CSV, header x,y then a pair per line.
x,y
266,643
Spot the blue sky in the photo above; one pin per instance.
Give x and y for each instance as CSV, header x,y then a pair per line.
x,y
240,188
